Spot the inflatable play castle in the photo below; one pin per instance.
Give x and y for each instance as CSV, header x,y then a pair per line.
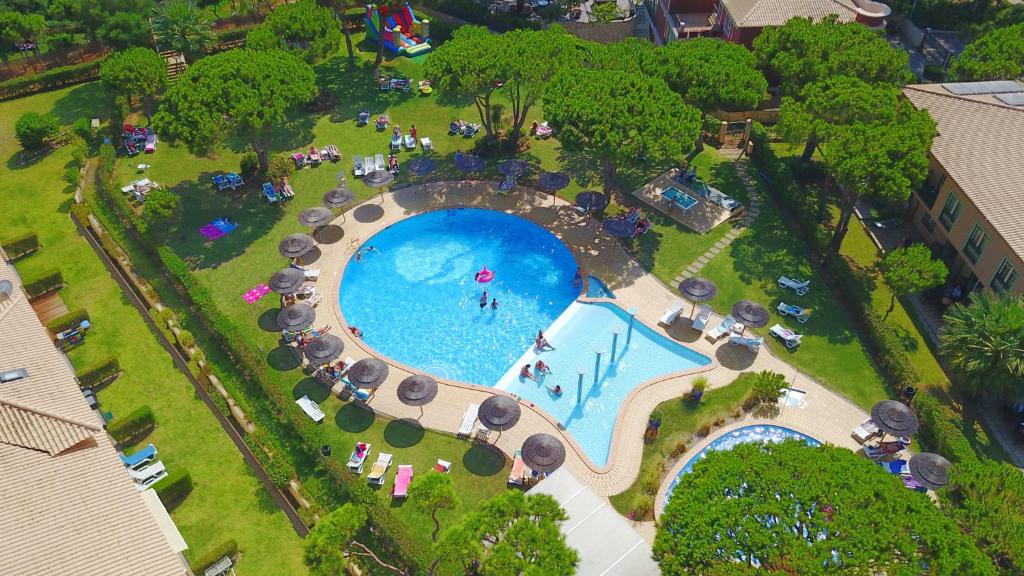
x,y
401,31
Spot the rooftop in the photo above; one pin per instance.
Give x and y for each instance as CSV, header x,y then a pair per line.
x,y
979,143
760,13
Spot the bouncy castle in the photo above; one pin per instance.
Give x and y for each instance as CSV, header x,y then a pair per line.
x,y
401,31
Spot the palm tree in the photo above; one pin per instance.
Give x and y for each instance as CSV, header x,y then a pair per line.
x,y
180,25
984,342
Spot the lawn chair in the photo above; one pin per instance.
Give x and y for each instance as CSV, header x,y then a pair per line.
x,y
426,144
507,185
311,409
396,143
314,156
150,143
481,434
145,484
286,190
542,130
378,474
140,457
753,343
443,466
382,122
866,431
898,466
409,142
801,314
332,153
700,321
402,481
721,330
470,129
466,428
378,161
885,450
671,314
358,457
456,127
235,181
300,159
358,168
798,286
220,182
363,118
517,476
269,193
789,338
148,472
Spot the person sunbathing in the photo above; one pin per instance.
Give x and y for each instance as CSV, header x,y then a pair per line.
x,y
541,343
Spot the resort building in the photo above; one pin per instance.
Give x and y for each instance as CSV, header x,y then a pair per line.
x,y
968,209
741,21
68,503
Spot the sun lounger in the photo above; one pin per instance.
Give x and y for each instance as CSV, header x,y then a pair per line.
x,y
235,181
382,122
466,428
378,161
801,314
311,409
543,130
286,191
396,143
148,472
311,273
426,144
269,192
799,286
358,168
753,343
507,185
876,454
867,430
220,182
380,468
790,338
145,484
409,142
140,457
721,330
443,466
358,457
299,159
332,153
363,118
671,314
896,466
470,130
402,481
700,322
481,433
150,143
517,475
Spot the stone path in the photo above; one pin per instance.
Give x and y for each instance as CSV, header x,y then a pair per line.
x,y
737,228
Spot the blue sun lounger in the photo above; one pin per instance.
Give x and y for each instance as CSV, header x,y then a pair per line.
x,y
269,192
140,457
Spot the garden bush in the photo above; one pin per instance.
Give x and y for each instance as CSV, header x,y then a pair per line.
x,y
175,488
98,373
134,426
281,167
249,165
22,245
228,548
50,79
33,130
69,320
44,283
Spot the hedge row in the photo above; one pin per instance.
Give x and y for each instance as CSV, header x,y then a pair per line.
x,y
175,488
133,426
50,79
20,245
98,373
44,283
70,320
228,548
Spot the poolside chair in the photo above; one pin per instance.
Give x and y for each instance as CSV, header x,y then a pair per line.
x,y
332,153
671,314
140,457
799,286
358,457
358,168
402,481
517,475
466,428
507,185
142,486
311,409
426,144
363,117
396,143
470,129
752,343
867,430
896,466
884,450
481,433
790,338
148,472
801,314
409,142
721,330
269,193
379,471
235,181
443,466
700,321
379,163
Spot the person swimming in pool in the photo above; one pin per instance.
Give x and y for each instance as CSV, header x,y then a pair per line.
x,y
483,300
577,280
541,343
556,390
525,373
494,303
541,368
355,331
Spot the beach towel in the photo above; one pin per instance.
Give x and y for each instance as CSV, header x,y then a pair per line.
x,y
256,293
211,232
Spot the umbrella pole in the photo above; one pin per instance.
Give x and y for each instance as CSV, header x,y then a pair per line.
x,y
421,413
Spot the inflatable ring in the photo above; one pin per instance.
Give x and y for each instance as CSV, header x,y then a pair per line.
x,y
484,276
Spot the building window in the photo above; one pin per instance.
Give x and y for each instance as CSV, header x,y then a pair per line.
x,y
950,211
975,244
929,190
928,222
727,27
1005,277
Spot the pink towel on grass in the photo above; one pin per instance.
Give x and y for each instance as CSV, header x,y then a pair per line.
x,y
211,232
256,293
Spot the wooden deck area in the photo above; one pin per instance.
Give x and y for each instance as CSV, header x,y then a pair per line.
x,y
702,217
49,307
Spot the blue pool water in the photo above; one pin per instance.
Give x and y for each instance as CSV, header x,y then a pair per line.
x,y
416,299
745,435
598,289
680,198
639,355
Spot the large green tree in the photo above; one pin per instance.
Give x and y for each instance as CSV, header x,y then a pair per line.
x,y
432,494
304,28
32,130
339,8
618,116
529,59
160,212
713,75
998,55
794,509
468,66
135,73
182,26
911,270
329,540
245,92
984,342
985,498
802,52
511,534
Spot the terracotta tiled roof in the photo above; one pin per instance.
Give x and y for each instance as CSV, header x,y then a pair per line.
x,y
981,147
761,13
22,426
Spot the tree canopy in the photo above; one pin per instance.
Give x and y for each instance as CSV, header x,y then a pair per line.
x,y
911,270
180,25
984,341
135,73
713,75
327,542
245,92
998,55
304,28
159,212
794,509
802,52
618,116
32,130
511,534
986,498
433,493
465,67
529,59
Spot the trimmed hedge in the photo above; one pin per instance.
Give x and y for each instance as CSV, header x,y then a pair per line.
x,y
44,283
133,426
21,245
98,373
228,548
50,79
175,488
69,320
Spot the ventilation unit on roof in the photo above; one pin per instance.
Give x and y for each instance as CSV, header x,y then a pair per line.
x,y
13,375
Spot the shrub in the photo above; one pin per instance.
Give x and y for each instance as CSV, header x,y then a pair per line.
x,y
186,339
228,548
53,78
280,168
69,320
678,451
939,430
173,489
18,246
83,129
704,430
133,426
99,372
643,507
767,387
934,72
719,421
44,283
249,165
33,130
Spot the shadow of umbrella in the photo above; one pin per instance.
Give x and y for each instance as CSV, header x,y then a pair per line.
x,y
468,162
514,167
355,417
483,460
404,433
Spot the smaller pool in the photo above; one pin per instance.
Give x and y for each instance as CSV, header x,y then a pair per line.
x,y
792,397
678,197
598,289
745,435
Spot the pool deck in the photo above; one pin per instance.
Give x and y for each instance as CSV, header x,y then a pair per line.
x,y
700,218
824,415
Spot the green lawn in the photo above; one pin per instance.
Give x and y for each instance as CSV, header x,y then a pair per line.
x,y
680,419
228,501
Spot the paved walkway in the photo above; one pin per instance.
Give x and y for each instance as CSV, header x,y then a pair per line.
x,y
830,417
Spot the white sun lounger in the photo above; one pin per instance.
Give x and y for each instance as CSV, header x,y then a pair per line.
x,y
426,144
865,431
311,409
142,486
791,339
722,329
753,343
671,314
357,459
147,472
379,162
799,286
468,420
378,474
358,166
700,322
